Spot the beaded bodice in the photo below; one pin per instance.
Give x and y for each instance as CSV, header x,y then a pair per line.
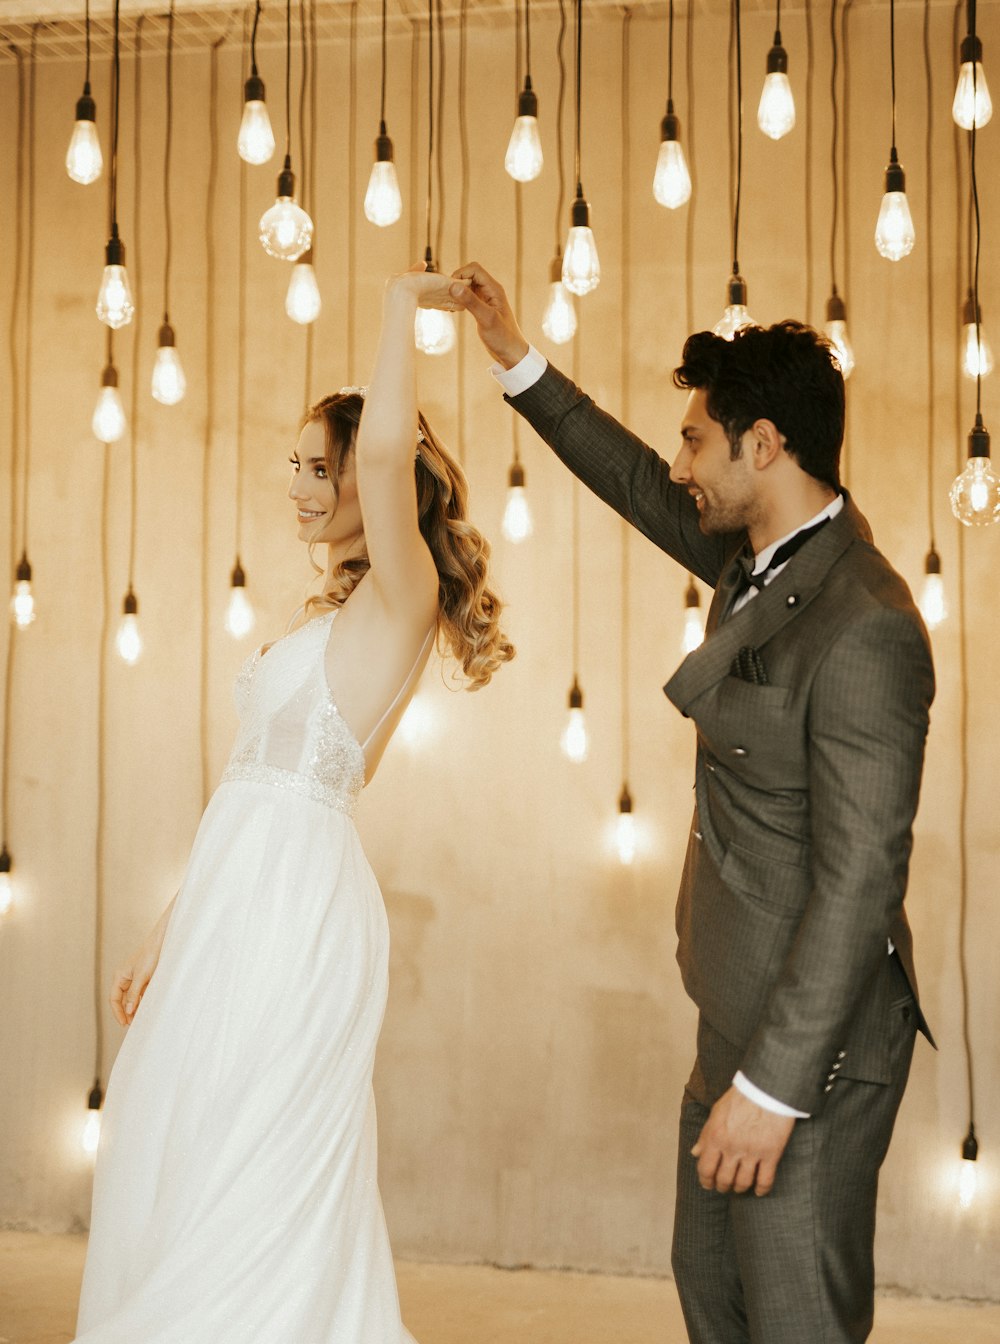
x,y
291,734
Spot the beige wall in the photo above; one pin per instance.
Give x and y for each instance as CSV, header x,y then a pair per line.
x,y
537,1037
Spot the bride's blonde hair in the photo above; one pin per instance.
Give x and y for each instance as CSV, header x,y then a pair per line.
x,y
468,609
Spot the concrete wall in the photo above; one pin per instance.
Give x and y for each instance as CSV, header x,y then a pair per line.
x,y
537,1037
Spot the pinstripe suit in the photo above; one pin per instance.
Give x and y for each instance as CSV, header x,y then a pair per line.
x,y
806,788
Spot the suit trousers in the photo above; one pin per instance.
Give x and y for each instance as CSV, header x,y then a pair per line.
x,y
795,1266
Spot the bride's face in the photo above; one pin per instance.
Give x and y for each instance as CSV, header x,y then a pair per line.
x,y
324,514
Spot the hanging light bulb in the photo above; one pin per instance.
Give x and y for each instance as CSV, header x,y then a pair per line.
x,y
128,640
975,493
240,618
968,1175
836,331
516,525
894,236
694,631
932,604
523,160
559,319
776,109
285,230
434,331
973,105
625,828
83,158
169,383
303,303
6,882
671,181
108,422
581,268
735,315
255,141
115,305
22,603
977,357
383,201
574,741
91,1136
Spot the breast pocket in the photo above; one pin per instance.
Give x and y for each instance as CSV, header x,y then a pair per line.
x,y
755,732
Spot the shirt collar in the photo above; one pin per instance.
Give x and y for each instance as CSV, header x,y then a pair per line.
x,y
763,558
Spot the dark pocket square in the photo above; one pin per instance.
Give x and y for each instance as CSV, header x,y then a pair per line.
x,y
749,666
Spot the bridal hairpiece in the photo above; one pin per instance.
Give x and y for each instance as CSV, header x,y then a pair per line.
x,y
362,392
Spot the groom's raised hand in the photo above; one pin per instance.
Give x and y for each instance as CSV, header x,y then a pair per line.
x,y
485,299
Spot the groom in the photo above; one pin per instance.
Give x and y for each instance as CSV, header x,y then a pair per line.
x,y
810,696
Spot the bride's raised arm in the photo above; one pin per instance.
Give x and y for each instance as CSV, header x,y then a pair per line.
x,y
402,567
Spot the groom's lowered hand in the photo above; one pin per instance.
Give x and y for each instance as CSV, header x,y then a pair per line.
x,y
485,299
740,1145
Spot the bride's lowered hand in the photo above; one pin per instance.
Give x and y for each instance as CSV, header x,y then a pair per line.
x,y
132,978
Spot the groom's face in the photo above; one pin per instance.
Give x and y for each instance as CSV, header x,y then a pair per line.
x,y
722,487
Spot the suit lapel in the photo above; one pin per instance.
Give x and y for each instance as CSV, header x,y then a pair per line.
x,y
761,618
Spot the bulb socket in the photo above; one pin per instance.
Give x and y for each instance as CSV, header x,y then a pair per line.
x,y
515,477
777,58
580,211
130,607
114,253
23,572
109,377
970,313
670,126
979,439
932,562
286,180
737,291
5,860
575,695
971,49
625,801
692,598
86,108
835,308
253,90
895,178
383,145
970,1145
166,336
95,1097
527,100
238,578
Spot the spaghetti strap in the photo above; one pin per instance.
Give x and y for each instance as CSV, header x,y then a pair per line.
x,y
406,687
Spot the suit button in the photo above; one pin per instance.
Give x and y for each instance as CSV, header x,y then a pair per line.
x,y
710,766
831,1077
835,1066
698,835
841,1054
739,751
792,600
828,1088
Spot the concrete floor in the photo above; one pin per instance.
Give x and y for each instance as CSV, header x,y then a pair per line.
x,y
472,1304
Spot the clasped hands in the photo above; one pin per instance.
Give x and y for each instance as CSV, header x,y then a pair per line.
x,y
471,288
740,1145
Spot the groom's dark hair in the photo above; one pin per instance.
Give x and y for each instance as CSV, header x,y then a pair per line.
x,y
787,374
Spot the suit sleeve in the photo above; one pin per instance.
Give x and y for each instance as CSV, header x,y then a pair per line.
x,y
867,727
622,470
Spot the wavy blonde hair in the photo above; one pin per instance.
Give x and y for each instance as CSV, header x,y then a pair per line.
x,y
468,609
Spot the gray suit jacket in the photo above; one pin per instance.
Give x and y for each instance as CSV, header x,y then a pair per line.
x,y
806,787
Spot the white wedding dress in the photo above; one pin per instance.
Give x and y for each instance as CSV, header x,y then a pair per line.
x,y
235,1195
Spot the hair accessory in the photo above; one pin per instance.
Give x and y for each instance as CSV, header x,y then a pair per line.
x,y
362,392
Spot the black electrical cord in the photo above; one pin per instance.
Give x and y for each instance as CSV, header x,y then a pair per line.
x,y
168,141
739,138
560,161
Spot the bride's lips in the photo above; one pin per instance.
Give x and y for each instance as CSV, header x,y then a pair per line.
x,y
307,515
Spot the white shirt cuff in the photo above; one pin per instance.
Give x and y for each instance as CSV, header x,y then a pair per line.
x,y
525,373
769,1103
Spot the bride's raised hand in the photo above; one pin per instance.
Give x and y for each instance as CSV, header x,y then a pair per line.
x,y
431,289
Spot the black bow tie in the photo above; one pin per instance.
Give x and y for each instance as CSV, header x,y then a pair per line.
x,y
746,560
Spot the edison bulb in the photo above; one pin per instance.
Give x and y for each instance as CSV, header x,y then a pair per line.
x,y
932,603
968,1183
975,494
693,635
84,160
575,742
625,839
6,892
240,617
22,604
972,106
836,332
108,422
559,320
128,640
383,200
671,181
417,725
517,525
732,320
894,236
115,305
581,268
91,1136
303,303
285,230
776,109
255,141
169,383
434,331
977,357
523,160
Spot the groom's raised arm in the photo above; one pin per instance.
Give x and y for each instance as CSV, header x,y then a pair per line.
x,y
610,460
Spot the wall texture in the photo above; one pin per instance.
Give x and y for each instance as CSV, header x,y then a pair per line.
x,y
537,1036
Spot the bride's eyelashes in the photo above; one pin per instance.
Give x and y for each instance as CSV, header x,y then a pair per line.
x,y
319,468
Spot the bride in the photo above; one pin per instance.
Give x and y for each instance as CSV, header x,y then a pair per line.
x,y
235,1195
